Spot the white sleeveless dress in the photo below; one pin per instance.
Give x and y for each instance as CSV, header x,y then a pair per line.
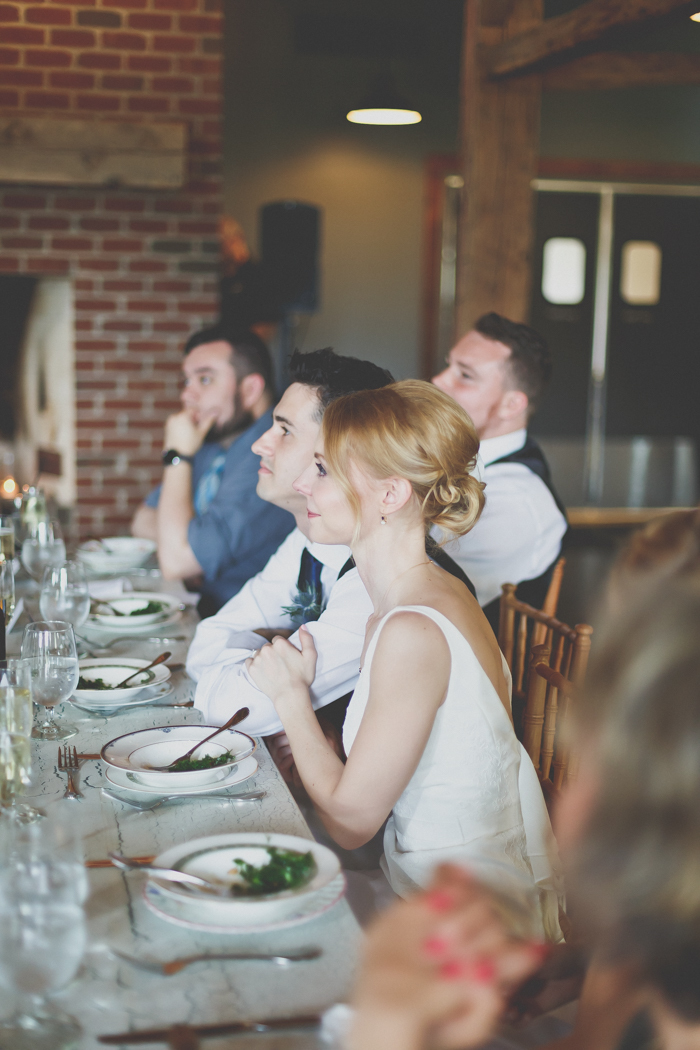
x,y
474,798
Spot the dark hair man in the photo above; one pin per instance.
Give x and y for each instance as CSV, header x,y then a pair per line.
x,y
498,373
206,517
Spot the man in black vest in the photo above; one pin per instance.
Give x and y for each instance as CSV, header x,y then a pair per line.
x,y
498,372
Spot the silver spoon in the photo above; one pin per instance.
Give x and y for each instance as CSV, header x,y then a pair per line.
x,y
154,663
239,716
169,874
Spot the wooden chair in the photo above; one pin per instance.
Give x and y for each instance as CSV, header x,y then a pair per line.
x,y
549,699
551,600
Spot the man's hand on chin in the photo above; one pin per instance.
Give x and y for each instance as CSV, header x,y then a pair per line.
x,y
186,433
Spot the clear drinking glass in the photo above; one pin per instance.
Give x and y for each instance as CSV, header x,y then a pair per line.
x,y
15,731
49,645
7,538
42,934
65,594
7,589
43,547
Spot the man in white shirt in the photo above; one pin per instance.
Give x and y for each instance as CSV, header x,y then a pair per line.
x,y
498,372
302,582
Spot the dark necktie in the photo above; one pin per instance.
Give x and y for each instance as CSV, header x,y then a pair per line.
x,y
308,601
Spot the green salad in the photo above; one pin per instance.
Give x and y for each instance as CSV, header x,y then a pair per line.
x,y
147,610
93,683
286,870
186,765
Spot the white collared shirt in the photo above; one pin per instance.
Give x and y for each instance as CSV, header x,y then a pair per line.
x,y
222,643
520,530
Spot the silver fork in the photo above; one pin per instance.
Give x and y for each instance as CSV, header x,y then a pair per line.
x,y
67,763
167,969
249,796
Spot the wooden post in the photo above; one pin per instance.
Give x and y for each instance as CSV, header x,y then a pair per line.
x,y
533,719
500,142
506,623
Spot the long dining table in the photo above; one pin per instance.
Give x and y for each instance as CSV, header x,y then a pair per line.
x,y
110,995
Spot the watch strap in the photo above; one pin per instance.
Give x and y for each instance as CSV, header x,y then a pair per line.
x,y
172,456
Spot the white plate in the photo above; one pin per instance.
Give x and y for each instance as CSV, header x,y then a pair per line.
x,y
192,915
149,695
120,779
118,752
127,604
116,626
114,669
116,553
146,759
214,857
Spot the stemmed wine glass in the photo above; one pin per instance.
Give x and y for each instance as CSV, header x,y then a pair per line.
x,y
43,547
65,594
7,589
49,645
15,731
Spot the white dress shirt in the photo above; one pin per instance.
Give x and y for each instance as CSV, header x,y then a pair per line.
x,y
520,530
222,643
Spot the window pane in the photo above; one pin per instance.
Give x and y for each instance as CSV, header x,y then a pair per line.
x,y
640,280
564,270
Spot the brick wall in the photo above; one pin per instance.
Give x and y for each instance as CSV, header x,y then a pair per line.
x,y
143,263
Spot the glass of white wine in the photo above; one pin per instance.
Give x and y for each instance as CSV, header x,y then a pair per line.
x,y
15,731
49,646
7,589
7,538
65,594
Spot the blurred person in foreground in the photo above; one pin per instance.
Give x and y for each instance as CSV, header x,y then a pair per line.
x,y
628,826
211,527
498,372
428,732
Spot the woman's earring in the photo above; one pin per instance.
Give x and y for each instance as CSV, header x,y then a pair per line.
x,y
383,520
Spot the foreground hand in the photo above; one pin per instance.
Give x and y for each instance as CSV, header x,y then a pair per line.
x,y
438,970
279,669
185,433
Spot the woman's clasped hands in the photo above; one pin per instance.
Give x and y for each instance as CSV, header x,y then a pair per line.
x,y
281,671
438,970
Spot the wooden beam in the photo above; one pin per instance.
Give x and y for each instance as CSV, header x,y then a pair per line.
x,y
623,69
602,170
593,21
500,136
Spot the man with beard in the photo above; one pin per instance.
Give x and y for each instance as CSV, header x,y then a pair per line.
x,y
210,525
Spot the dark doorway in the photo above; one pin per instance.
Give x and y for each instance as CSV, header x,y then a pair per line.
x,y
16,294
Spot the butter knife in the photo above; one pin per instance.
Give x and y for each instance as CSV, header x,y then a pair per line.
x,y
210,1031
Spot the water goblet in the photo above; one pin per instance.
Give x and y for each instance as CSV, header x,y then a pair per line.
x,y
43,547
15,731
65,594
49,645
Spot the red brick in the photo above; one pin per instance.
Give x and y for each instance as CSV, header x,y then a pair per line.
x,y
192,64
147,266
111,19
95,344
42,265
8,265
9,98
124,41
204,188
72,38
148,347
133,5
76,203
49,16
9,222
199,106
171,286
149,64
175,5
175,84
72,80
147,305
21,242
98,60
84,325
83,286
150,22
95,305
21,35
47,100
148,226
172,43
208,228
201,24
78,3
48,58
122,83
21,78
122,246
9,13
170,326
124,204
102,265
8,56
194,307
48,222
100,103
71,244
105,225
148,104
122,326
177,205
212,87
23,201
123,286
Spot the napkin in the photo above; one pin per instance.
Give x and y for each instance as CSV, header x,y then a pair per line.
x,y
105,590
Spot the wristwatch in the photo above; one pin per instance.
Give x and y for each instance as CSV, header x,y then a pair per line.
x,y
172,456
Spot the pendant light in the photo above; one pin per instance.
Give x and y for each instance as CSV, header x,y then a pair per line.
x,y
383,105
695,17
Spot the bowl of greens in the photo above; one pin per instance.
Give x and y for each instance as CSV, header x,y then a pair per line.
x,y
134,610
266,873
99,677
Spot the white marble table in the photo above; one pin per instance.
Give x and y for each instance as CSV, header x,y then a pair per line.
x,y
111,996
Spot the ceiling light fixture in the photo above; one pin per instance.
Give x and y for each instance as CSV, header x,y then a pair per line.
x,y
695,17
383,105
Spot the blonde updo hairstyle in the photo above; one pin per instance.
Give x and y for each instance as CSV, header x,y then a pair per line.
x,y
414,431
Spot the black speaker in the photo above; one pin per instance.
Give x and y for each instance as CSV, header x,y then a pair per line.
x,y
289,244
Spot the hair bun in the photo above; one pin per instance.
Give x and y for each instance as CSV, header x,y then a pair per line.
x,y
454,503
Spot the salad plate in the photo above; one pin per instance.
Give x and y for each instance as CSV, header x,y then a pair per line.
x,y
118,625
135,609
115,554
106,672
127,784
127,753
150,695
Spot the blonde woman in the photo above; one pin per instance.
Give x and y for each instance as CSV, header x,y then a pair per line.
x,y
428,732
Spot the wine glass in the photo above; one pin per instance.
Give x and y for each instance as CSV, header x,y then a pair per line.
x,y
7,537
65,594
42,934
49,645
43,547
15,731
7,589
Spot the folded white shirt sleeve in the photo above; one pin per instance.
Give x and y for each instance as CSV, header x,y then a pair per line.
x,y
222,643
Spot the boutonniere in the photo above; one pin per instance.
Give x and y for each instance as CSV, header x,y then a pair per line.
x,y
305,607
